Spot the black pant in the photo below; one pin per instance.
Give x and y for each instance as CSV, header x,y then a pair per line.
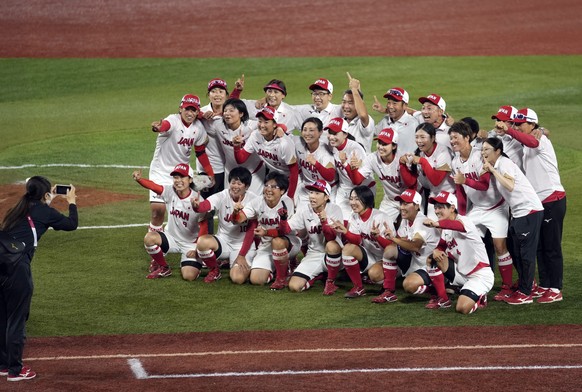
x,y
550,259
525,232
16,289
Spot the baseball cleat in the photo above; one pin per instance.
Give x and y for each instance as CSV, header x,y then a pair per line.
x,y
386,297
153,266
538,291
279,284
355,292
505,292
330,287
549,297
26,373
213,275
438,303
519,298
161,272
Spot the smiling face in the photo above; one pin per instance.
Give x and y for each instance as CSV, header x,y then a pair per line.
x,y
444,211
386,150
409,210
424,141
459,142
317,200
349,107
182,184
310,133
272,193
274,97
217,96
189,114
320,98
336,139
237,189
231,116
432,114
525,127
356,204
267,128
490,154
395,108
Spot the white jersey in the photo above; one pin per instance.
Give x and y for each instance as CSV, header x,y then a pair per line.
x,y
511,147
350,148
363,135
523,199
285,114
405,127
277,153
308,173
465,248
439,159
541,168
388,175
266,216
473,168
183,222
306,219
175,146
357,226
415,229
222,203
442,131
213,148
326,115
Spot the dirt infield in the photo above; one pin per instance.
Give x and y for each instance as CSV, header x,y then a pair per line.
x,y
540,358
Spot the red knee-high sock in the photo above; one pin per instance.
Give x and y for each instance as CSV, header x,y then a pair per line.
x,y
353,269
281,261
438,281
390,269
156,254
209,258
333,265
505,263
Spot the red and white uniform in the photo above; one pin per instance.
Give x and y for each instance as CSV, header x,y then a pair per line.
x,y
331,111
511,147
213,148
541,168
488,208
405,127
309,173
363,227
277,154
442,132
285,114
172,147
363,135
430,236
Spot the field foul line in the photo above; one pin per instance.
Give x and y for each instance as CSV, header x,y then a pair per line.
x,y
141,374
114,166
316,350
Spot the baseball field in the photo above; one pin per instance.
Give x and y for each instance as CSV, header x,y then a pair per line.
x,y
80,84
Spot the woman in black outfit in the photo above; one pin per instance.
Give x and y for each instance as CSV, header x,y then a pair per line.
x,y
27,221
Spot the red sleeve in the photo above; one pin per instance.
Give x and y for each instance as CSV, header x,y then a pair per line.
x,y
461,199
273,233
408,178
240,154
328,173
384,242
203,207
249,238
525,139
165,127
293,179
203,158
449,224
442,245
352,238
152,186
235,93
355,175
284,227
434,176
482,184
203,228
328,232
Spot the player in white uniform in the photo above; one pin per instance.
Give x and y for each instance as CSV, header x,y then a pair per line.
x,y
434,112
275,247
362,248
183,227
460,257
314,159
177,135
526,212
385,164
322,108
511,147
360,123
433,164
236,122
344,149
278,153
323,242
407,253
541,169
398,118
485,205
227,244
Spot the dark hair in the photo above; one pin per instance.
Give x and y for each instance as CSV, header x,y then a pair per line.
x,y
462,128
497,144
351,93
242,174
394,145
281,180
472,123
365,195
427,127
238,105
278,83
314,120
36,188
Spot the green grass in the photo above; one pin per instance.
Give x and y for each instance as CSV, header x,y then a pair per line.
x,y
98,111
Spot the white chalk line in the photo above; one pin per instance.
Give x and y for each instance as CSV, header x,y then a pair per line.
x,y
113,166
315,350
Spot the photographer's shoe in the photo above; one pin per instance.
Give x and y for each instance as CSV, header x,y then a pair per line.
x,y
26,373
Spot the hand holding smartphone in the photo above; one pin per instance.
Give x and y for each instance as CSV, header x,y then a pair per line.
x,y
62,189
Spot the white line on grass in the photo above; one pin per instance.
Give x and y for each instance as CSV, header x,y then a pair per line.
x,y
372,370
112,227
114,166
314,350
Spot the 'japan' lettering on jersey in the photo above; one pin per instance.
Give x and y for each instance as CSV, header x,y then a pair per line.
x,y
357,226
308,172
473,168
225,136
466,248
183,222
223,204
415,229
266,216
277,153
388,174
306,219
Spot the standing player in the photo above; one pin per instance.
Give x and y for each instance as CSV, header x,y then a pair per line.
x,y
433,112
360,123
322,108
511,147
177,134
184,224
460,257
227,244
362,247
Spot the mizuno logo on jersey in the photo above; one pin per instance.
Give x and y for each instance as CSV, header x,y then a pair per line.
x,y
525,234
547,220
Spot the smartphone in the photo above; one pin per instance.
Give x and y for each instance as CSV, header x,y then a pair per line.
x,y
62,189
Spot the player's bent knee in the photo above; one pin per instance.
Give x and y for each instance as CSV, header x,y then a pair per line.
x,y
189,273
296,284
206,242
376,273
152,238
349,250
279,243
332,248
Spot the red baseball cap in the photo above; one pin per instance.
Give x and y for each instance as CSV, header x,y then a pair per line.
x,y
276,86
336,125
267,112
322,84
525,115
398,94
505,113
444,198
387,135
435,100
190,100
183,169
320,186
217,83
410,196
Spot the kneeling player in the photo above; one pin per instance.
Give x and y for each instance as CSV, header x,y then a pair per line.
x,y
182,229
461,255
227,244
